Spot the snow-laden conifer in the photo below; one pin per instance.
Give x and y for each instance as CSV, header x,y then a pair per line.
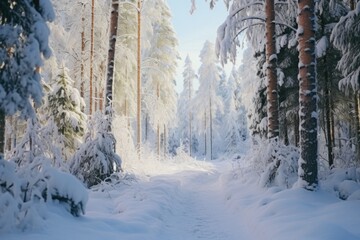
x,y
96,159
159,69
206,102
185,115
345,37
65,105
235,117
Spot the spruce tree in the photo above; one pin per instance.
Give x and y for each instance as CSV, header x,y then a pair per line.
x,y
64,105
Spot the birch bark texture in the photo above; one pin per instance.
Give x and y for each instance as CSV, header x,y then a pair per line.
x,y
308,169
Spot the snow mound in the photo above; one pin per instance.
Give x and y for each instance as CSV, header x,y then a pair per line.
x,y
66,188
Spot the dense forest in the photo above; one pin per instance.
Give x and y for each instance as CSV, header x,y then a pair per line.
x,y
88,87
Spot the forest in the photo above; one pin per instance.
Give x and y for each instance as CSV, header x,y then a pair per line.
x,y
95,130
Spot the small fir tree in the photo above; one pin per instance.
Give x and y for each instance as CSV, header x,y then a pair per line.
x,y
64,105
96,159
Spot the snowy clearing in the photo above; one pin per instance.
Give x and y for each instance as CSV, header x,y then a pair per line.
x,y
201,200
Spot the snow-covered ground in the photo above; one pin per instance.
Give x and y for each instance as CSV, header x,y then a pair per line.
x,y
191,199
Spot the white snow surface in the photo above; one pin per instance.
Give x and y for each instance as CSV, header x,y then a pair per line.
x,y
191,199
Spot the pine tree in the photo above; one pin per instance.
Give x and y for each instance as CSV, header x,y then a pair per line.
x,y
159,73
23,43
271,61
126,63
235,117
308,170
96,159
206,100
185,114
64,105
111,58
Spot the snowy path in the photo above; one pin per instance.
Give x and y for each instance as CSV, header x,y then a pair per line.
x,y
201,211
184,205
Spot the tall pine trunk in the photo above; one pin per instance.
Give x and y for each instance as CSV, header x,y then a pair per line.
x,y
91,57
190,119
139,76
165,145
82,67
308,169
158,125
2,134
211,132
205,134
328,117
111,57
271,59
357,124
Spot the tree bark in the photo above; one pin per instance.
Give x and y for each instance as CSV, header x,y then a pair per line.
x,y
82,67
164,140
139,76
329,135
190,119
286,136
211,140
352,4
308,169
2,134
91,57
271,59
297,130
205,135
101,100
158,125
158,140
111,57
357,122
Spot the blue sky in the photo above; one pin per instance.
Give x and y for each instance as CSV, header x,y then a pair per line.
x,y
193,30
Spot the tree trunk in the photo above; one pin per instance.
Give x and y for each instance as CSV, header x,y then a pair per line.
x,y
205,135
357,122
329,139
271,59
82,67
164,140
297,130
2,134
211,140
101,100
91,57
308,169
352,4
190,119
111,57
146,127
158,125
286,136
190,134
96,99
139,77
158,140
